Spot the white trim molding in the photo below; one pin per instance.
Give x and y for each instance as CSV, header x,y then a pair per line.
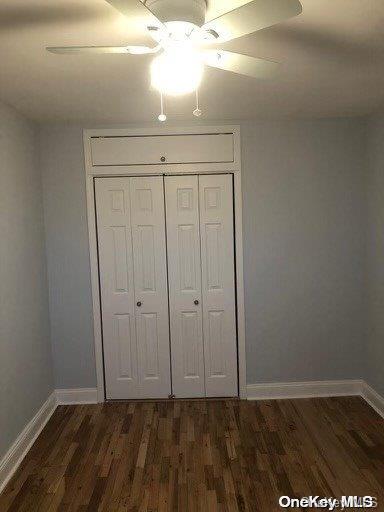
x,y
76,396
93,171
24,441
307,389
373,398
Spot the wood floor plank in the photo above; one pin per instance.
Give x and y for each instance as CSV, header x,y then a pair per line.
x,y
204,455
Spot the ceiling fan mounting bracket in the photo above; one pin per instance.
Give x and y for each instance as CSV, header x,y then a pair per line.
x,y
190,11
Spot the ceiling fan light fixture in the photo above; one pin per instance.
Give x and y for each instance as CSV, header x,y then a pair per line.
x,y
183,36
177,71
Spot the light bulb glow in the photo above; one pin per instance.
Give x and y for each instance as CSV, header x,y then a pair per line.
x,y
177,71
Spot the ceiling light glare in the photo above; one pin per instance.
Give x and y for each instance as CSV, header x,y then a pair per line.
x,y
177,71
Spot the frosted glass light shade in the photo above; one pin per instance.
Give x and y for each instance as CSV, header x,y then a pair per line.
x,y
177,71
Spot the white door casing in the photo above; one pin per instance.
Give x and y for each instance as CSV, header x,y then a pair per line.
x,y
132,261
184,275
93,171
218,284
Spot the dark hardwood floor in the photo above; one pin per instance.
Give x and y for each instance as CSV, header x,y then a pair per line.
x,y
200,456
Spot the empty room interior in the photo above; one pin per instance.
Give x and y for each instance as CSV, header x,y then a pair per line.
x,y
191,255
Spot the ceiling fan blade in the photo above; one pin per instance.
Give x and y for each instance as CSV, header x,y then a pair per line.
x,y
137,13
241,64
251,17
217,8
133,50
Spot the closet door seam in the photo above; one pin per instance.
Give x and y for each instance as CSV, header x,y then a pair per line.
x,y
168,289
202,284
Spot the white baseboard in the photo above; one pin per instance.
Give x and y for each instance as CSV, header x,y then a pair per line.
x,y
19,449
308,389
373,398
76,396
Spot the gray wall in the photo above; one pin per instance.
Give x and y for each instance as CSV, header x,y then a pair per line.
x,y
375,256
68,257
26,378
304,234
304,237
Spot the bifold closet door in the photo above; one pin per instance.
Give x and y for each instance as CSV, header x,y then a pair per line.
x,y
133,279
199,212
218,284
184,275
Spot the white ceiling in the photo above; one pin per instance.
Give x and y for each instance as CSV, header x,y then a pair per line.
x,y
332,59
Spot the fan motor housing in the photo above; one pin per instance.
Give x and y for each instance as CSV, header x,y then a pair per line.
x,y
191,11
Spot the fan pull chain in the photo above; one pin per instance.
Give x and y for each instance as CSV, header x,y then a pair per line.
x,y
162,117
197,112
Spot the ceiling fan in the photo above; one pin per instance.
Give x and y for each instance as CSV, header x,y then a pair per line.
x,y
186,43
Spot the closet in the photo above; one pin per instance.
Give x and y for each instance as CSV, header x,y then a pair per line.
x,y
167,285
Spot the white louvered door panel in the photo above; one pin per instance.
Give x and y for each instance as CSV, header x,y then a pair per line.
x,y
117,289
218,285
184,274
150,280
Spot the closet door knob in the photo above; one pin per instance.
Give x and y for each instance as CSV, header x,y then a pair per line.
x,y
162,159
138,304
196,302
